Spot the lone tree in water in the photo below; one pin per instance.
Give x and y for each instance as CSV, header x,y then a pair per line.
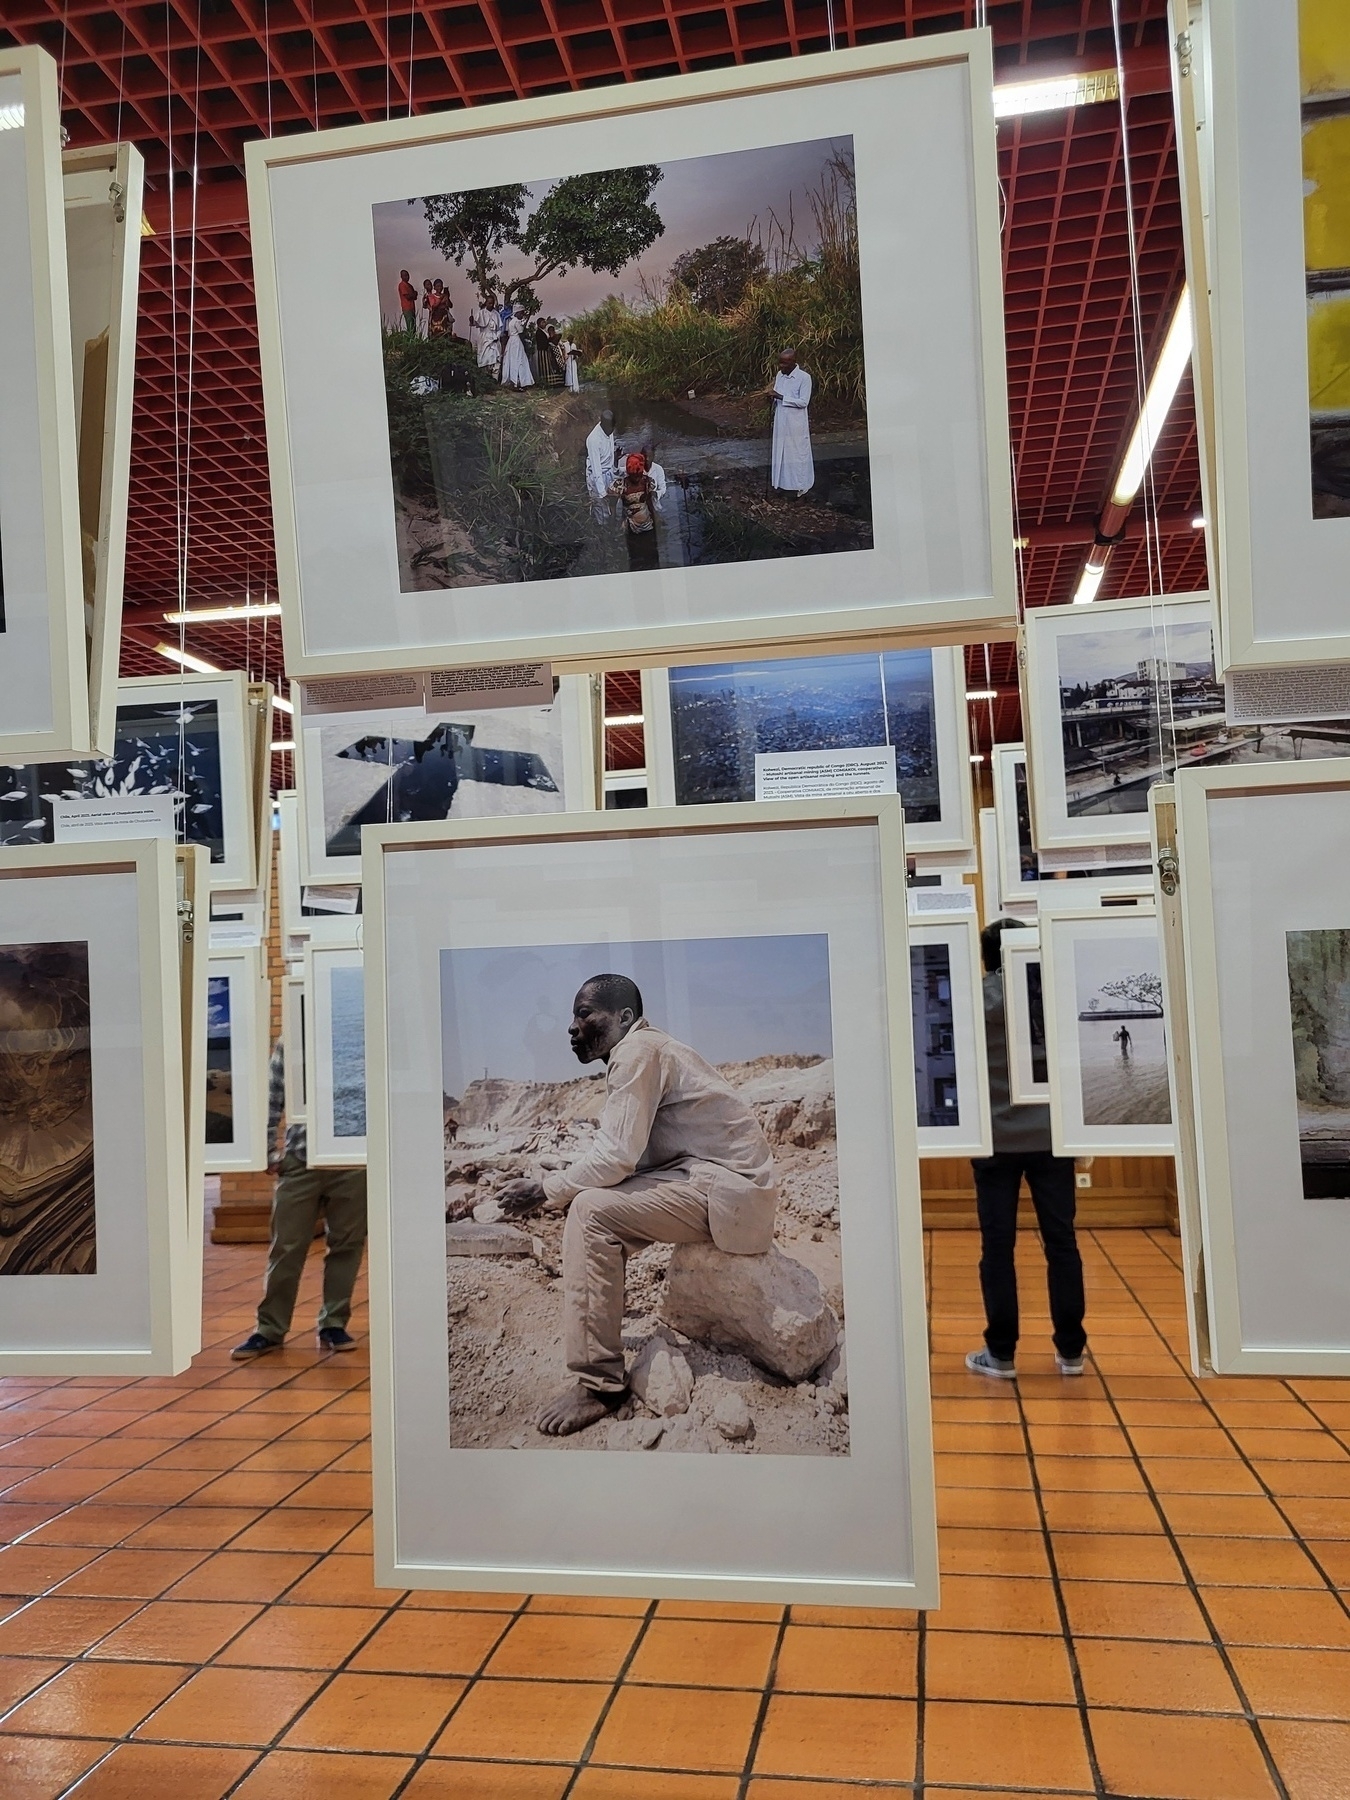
x,y
1143,990
599,221
718,275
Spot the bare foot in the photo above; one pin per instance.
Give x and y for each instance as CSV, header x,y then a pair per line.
x,y
577,1408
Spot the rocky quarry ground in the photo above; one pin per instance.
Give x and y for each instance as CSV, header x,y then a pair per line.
x,y
740,1355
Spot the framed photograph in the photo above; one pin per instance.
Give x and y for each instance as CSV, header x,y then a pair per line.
x,y
742,974
391,766
335,1056
719,731
1122,695
95,1274
293,1011
1279,239
103,186
951,1077
238,1005
180,768
1105,1031
44,669
568,427
1024,1012
989,869
193,958
1263,864
1026,876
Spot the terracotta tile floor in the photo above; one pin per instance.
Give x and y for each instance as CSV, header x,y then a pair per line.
x,y
1145,1594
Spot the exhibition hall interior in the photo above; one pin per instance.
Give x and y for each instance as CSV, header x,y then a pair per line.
x,y
674,943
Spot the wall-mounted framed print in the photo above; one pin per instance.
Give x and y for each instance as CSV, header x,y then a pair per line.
x,y
392,765
1025,875
1122,695
181,768
44,670
95,1269
1105,1031
745,970
238,1001
729,731
103,186
1263,861
335,1056
566,481
293,1010
1279,84
951,1077
1024,1011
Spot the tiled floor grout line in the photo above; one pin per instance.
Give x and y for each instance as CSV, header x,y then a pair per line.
x,y
766,1694
1216,1637
593,1737
1061,1606
1274,1499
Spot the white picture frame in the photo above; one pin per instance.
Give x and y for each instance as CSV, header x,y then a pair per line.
x,y
138,1311
437,1521
104,187
1100,1078
334,1006
1024,1014
568,735
1251,171
1136,671
238,1018
940,572
44,670
293,1010
950,795
955,1076
1025,880
194,900
1273,1261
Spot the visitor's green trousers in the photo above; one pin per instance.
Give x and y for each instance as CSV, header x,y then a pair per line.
x,y
300,1195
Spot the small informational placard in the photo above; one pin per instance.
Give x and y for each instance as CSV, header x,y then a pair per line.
x,y
330,899
116,816
824,774
942,900
1119,857
500,684
234,935
1287,696
362,693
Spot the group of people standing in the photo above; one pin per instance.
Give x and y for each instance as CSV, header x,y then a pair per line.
x,y
627,487
516,351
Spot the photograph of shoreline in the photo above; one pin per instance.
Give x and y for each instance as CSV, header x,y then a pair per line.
x,y
1138,702
219,1062
705,1357
46,1111
1122,1051
1324,43
723,715
584,375
1319,1005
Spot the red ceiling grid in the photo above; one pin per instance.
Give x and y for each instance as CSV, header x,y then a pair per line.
x,y
206,76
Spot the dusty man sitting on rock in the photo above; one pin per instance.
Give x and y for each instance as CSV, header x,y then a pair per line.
x,y
678,1158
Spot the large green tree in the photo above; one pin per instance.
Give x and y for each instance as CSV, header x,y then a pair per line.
x,y
601,221
717,275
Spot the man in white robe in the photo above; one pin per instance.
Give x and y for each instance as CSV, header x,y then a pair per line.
x,y
792,467
602,455
516,370
658,480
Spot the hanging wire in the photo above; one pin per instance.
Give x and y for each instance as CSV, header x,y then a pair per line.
x,y
1162,690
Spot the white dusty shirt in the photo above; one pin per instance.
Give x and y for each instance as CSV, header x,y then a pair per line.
x,y
665,1108
601,450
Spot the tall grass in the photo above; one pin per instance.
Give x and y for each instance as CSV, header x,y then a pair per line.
x,y
664,345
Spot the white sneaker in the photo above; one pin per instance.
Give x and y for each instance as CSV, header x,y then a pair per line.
x,y
1067,1365
980,1362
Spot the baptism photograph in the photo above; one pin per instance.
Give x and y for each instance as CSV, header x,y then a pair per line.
x,y
639,368
642,1198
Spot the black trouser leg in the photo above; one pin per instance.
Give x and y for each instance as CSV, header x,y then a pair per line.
x,y
998,1180
1054,1196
